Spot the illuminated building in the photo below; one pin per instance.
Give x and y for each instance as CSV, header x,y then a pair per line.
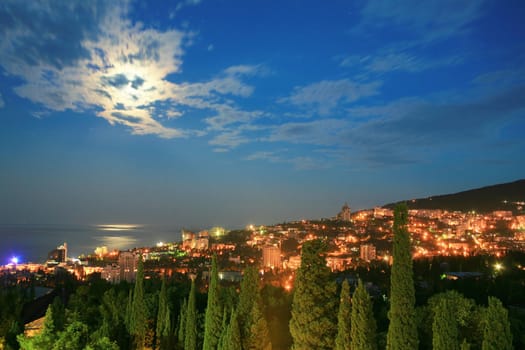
x,y
367,252
127,262
382,212
59,254
192,241
271,257
344,214
230,276
111,273
293,263
217,232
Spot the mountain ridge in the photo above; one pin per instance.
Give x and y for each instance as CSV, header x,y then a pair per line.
x,y
502,196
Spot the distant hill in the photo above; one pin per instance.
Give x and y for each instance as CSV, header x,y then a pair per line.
x,y
485,199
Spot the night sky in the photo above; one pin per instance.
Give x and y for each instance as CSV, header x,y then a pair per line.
x,y
212,112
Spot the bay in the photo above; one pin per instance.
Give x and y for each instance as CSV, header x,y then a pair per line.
x,y
32,243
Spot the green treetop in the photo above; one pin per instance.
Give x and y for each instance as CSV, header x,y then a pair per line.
x,y
139,313
402,330
190,336
342,341
232,340
363,324
445,327
247,296
496,330
213,316
259,338
314,307
163,328
181,331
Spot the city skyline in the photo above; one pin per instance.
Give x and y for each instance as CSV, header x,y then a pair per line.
x,y
214,113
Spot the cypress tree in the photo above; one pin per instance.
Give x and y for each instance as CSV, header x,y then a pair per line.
x,y
249,290
59,314
259,338
190,336
163,326
445,327
342,341
232,340
113,318
496,330
314,307
363,324
182,323
129,308
402,330
139,312
224,332
213,316
166,332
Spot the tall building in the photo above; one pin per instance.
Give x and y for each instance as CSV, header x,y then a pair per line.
x,y
127,262
344,214
367,252
59,254
271,257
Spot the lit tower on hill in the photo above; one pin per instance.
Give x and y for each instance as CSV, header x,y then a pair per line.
x,y
344,214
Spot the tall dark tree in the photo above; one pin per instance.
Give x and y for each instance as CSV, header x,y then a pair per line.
x,y
314,307
213,316
402,330
129,308
181,329
259,337
139,313
445,326
342,341
496,330
59,314
363,324
224,327
247,296
462,310
190,336
113,318
232,340
163,328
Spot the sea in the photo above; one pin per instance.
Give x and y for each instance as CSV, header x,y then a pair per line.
x,y
32,243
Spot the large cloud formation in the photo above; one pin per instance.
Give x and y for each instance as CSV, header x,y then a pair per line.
x,y
87,56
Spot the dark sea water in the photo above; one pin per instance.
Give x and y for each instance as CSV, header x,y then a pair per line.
x,y
31,243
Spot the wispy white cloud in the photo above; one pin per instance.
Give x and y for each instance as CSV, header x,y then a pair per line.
x,y
407,130
182,4
228,140
328,94
395,61
2,103
118,72
109,65
426,20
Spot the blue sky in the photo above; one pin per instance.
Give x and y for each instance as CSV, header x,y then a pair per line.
x,y
199,113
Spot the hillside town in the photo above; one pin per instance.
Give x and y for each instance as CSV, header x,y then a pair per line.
x,y
354,239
